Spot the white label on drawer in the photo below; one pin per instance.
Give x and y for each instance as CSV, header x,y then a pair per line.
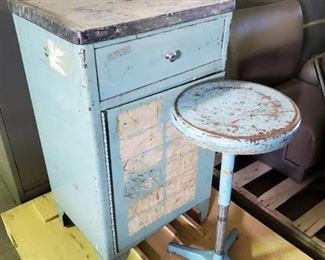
x,y
118,53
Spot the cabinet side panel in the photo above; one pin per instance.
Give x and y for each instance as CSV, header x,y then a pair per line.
x,y
61,79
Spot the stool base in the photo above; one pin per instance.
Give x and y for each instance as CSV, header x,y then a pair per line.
x,y
201,254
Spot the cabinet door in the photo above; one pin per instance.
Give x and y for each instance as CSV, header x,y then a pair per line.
x,y
156,174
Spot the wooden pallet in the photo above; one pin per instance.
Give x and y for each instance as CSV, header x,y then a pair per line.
x,y
304,231
37,233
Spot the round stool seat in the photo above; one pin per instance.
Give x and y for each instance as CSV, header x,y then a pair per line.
x,y
236,117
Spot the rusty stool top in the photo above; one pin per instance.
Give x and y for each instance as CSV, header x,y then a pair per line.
x,y
236,117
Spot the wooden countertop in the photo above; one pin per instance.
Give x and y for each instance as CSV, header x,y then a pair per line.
x,y
83,21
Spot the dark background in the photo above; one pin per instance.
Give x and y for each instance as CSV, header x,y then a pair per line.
x,y
17,123
314,23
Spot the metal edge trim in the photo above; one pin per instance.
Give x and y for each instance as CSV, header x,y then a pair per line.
x,y
48,22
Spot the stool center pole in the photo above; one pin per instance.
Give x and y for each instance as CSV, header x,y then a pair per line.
x,y
224,199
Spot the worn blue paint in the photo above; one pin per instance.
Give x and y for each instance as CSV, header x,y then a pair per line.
x,y
236,117
226,176
232,117
80,133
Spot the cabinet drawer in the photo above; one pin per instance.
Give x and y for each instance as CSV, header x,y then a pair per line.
x,y
138,63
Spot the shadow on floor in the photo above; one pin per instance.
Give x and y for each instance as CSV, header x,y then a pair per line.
x,y
7,251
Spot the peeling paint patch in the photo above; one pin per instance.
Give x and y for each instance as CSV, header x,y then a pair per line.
x,y
160,173
145,219
179,146
139,119
181,164
135,145
146,210
181,173
145,203
180,191
142,183
142,162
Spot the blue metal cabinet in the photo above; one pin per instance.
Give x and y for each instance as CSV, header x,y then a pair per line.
x,y
102,96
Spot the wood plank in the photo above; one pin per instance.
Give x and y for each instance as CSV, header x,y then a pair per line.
x,y
249,173
173,233
275,214
319,242
46,208
155,246
311,217
150,251
280,193
190,222
192,233
137,254
286,224
37,240
315,228
246,193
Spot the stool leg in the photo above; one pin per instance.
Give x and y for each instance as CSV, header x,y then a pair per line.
x,y
222,243
224,200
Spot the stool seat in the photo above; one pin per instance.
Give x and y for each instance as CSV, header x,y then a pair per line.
x,y
236,117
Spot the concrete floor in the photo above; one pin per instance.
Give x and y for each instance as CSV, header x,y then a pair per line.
x,y
7,251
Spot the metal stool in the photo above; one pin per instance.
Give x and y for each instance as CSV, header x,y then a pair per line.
x,y
234,118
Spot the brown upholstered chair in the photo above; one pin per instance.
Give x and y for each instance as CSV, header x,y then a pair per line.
x,y
265,46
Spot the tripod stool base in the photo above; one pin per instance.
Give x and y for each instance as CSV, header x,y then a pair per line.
x,y
201,254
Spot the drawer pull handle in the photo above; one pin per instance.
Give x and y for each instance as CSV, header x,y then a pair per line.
x,y
172,55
